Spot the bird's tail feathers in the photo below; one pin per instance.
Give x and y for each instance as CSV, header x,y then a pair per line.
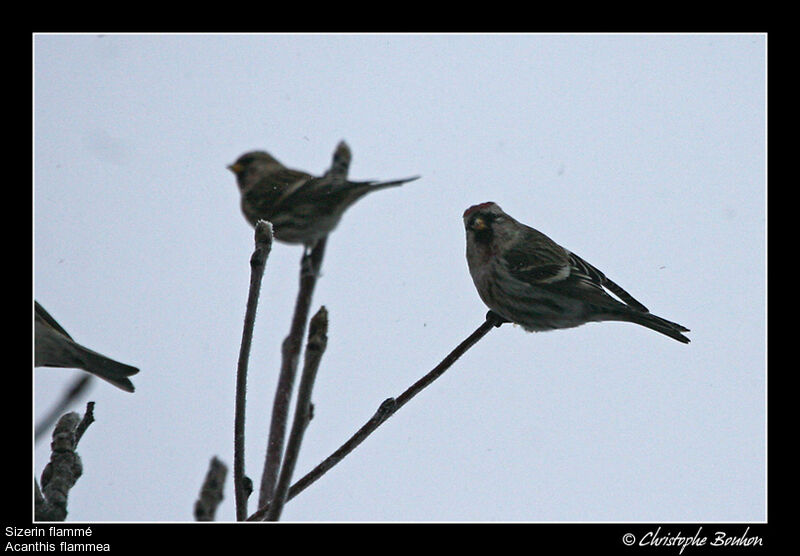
x,y
651,321
392,183
112,371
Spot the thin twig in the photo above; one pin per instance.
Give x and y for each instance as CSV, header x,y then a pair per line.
x,y
211,492
88,419
310,265
317,342
73,392
388,408
263,246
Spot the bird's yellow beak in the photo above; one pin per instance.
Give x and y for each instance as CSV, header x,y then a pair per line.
x,y
235,168
479,224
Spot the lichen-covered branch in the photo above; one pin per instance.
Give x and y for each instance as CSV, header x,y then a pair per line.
x,y
205,508
64,468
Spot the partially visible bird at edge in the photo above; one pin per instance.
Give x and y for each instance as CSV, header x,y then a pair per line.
x,y
53,347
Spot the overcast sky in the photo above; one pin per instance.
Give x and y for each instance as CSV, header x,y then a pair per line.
x,y
644,154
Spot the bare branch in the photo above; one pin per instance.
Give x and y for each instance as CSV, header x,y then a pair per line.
x,y
263,246
317,342
310,266
388,408
211,492
309,270
88,419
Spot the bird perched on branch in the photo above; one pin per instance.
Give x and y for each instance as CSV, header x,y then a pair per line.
x,y
302,208
526,278
53,347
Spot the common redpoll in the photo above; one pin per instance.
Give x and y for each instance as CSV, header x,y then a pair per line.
x,y
302,208
526,278
53,347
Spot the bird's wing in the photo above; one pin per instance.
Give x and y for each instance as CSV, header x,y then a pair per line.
x,y
265,197
591,277
292,183
537,259
542,263
287,177
50,321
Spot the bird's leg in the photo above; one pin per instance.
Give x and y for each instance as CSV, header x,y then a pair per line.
x,y
311,262
496,319
306,264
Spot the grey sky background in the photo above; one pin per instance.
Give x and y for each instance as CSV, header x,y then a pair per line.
x,y
644,154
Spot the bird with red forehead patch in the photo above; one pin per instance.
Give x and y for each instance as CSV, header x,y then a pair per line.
x,y
526,278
